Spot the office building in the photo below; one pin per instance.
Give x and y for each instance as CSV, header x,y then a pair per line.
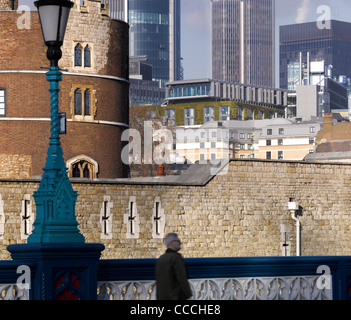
x,y
142,90
154,32
214,90
346,83
316,92
316,100
243,37
302,43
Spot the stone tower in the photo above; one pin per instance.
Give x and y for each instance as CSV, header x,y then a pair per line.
x,y
94,94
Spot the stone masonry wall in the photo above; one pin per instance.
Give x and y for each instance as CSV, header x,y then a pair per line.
x,y
107,39
15,166
235,214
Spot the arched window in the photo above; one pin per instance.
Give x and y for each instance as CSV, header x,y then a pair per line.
x,y
83,102
87,109
82,166
87,170
77,102
78,55
82,169
76,170
87,56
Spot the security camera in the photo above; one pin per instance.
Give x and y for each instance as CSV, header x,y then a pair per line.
x,y
293,205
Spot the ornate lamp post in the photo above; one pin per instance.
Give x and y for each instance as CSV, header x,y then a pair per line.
x,y
65,266
55,199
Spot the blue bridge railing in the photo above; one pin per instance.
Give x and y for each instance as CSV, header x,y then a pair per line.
x,y
241,278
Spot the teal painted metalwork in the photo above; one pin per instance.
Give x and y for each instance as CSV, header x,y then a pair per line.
x,y
55,199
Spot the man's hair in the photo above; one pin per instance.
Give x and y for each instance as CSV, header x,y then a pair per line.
x,y
169,238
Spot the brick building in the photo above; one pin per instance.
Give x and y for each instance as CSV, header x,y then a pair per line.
x,y
333,143
93,93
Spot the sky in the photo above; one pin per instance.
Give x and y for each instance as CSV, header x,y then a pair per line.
x,y
196,29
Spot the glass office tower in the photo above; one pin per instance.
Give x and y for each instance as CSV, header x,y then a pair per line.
x,y
154,32
333,45
243,37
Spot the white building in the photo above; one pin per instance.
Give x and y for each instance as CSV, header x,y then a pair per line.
x,y
279,139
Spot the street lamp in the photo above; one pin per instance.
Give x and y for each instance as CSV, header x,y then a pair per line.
x,y
53,16
55,198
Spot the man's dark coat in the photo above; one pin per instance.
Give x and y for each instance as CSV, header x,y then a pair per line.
x,y
171,277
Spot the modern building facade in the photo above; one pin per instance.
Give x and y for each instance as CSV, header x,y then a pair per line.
x,y
216,90
305,42
142,90
243,37
154,32
313,91
316,100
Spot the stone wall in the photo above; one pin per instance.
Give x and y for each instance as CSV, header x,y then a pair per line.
x,y
239,213
107,39
15,166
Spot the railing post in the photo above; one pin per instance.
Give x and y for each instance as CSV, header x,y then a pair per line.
x,y
62,271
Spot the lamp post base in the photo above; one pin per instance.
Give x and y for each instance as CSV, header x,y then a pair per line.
x,y
62,271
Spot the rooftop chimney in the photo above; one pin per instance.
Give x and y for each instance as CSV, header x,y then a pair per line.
x,y
328,121
160,170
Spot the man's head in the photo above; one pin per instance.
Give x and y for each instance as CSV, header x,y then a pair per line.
x,y
172,241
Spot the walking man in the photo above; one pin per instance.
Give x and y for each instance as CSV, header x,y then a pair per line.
x,y
171,276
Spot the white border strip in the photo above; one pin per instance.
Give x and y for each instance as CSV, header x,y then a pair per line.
x,y
69,73
23,119
109,123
